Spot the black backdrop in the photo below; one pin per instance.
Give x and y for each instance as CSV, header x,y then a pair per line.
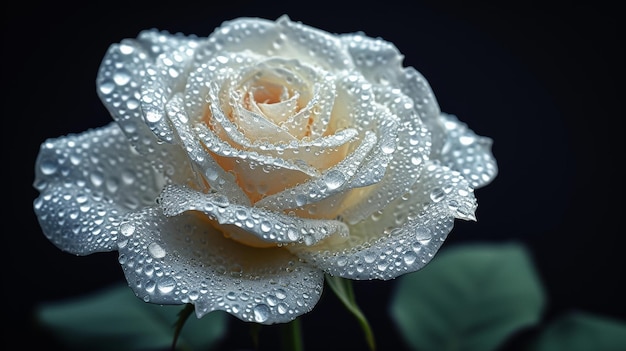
x,y
546,82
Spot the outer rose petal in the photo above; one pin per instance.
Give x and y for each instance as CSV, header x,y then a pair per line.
x,y
267,226
282,37
467,152
120,81
381,62
402,237
87,183
183,259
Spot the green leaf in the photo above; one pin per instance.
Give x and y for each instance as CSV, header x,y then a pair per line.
x,y
115,319
581,332
468,298
344,291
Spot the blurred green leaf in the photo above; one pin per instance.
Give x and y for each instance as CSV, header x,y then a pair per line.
x,y
468,298
582,332
115,319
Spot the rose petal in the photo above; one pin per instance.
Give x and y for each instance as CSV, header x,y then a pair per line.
x,y
467,152
156,43
183,259
404,236
214,175
355,105
378,60
311,44
280,38
381,62
414,85
333,181
163,77
269,226
172,55
258,175
227,81
87,182
119,83
408,157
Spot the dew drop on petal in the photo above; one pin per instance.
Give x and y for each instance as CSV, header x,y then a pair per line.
x,y
127,229
281,294
166,285
437,194
156,250
282,308
261,313
301,200
423,234
106,87
153,117
121,77
266,226
231,296
150,285
409,257
334,179
48,167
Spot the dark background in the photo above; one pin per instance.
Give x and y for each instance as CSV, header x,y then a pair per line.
x,y
545,82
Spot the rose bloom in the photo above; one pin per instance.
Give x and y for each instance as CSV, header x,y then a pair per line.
x,y
242,167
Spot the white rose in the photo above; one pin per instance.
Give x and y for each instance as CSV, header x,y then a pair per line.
x,y
242,167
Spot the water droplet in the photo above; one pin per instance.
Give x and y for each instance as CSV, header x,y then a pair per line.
x,y
48,167
334,179
437,194
388,146
261,313
156,250
231,295
282,308
193,295
166,285
150,285
271,300
301,200
369,257
126,49
280,294
423,234
96,179
121,77
241,214
106,87
266,226
292,234
127,229
409,257
153,117
415,160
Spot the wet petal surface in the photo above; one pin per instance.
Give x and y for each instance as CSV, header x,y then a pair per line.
x,y
87,182
183,259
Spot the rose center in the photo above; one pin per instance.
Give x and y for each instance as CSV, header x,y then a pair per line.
x,y
268,93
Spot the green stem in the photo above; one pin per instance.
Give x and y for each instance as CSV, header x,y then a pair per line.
x,y
343,289
292,336
182,318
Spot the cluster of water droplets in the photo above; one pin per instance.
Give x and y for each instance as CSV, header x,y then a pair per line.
x,y
403,236
467,152
184,260
268,226
87,181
